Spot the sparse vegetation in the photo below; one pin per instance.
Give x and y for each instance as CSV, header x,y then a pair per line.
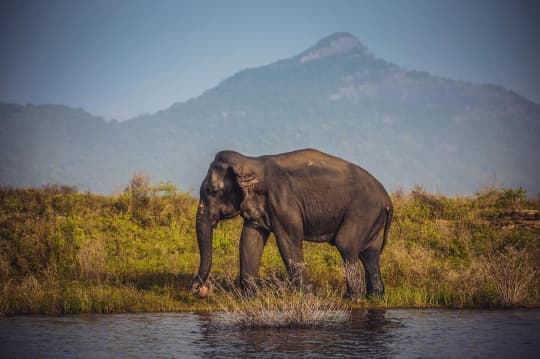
x,y
63,251
276,304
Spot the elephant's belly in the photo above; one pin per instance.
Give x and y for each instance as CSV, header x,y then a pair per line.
x,y
319,238
322,227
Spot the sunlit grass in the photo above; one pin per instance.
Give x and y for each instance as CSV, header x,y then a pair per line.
x,y
62,251
277,304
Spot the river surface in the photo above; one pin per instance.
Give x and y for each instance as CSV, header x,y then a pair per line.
x,y
372,334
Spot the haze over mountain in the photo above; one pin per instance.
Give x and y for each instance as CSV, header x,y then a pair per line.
x,y
405,127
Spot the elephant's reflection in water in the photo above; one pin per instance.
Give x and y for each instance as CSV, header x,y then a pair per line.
x,y
369,332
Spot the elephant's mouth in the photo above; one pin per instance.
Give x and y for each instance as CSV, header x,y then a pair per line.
x,y
257,218
227,215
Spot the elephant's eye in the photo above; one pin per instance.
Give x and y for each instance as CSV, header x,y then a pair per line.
x,y
213,191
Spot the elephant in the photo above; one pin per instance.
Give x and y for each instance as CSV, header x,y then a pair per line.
x,y
304,195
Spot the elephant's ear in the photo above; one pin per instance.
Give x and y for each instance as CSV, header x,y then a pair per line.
x,y
253,202
245,178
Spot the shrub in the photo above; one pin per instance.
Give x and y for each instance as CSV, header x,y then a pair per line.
x,y
494,202
513,274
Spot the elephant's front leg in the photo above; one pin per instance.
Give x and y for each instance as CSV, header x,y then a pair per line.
x,y
252,243
290,249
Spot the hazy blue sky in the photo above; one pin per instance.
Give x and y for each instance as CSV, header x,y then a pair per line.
x,y
118,59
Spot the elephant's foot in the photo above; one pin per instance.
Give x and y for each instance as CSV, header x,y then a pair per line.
x,y
376,291
249,287
351,296
249,292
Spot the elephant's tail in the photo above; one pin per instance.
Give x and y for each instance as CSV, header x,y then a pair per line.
x,y
389,213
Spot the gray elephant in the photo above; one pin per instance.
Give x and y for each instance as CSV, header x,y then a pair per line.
x,y
301,195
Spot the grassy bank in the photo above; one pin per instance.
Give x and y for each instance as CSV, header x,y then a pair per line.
x,y
62,251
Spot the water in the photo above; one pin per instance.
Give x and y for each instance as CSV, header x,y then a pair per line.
x,y
373,334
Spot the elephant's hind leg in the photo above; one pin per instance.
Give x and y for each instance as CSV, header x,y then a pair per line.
x,y
374,282
353,278
349,247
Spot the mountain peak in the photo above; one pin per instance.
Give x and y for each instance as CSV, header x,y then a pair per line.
x,y
338,36
338,43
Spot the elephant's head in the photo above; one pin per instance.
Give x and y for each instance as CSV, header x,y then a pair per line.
x,y
233,185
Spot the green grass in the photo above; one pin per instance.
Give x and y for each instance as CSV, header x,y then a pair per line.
x,y
62,251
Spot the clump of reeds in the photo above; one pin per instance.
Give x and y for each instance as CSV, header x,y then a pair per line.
x,y
275,303
512,272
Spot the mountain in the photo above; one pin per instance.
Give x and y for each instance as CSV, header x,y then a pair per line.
x,y
406,127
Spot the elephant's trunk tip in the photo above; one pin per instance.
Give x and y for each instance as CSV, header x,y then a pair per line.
x,y
199,288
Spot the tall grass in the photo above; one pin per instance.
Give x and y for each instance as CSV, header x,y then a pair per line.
x,y
277,304
511,272
63,251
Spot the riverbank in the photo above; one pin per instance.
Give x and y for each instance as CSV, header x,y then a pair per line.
x,y
62,251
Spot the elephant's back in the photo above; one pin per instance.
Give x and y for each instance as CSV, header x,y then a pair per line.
x,y
307,160
311,171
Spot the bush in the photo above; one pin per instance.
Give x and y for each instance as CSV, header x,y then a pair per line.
x,y
513,274
495,202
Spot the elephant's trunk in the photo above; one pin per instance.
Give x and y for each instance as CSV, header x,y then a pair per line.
x,y
204,239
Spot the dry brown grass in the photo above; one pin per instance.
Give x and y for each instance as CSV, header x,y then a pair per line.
x,y
92,256
32,292
275,304
513,274
412,265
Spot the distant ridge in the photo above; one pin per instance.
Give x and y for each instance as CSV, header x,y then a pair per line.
x,y
406,127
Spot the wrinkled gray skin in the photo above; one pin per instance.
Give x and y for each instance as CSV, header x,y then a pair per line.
x,y
304,195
